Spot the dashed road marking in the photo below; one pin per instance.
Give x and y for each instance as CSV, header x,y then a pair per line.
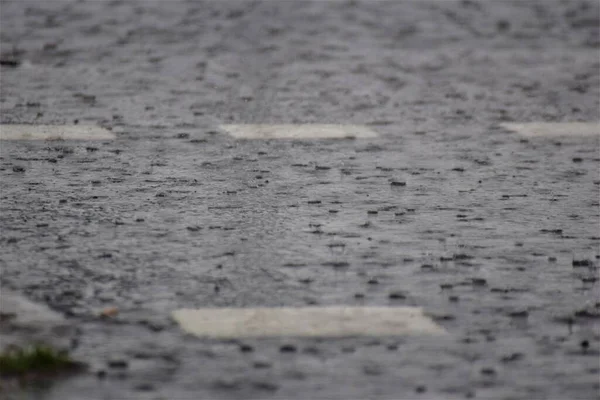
x,y
305,131
552,129
306,322
54,132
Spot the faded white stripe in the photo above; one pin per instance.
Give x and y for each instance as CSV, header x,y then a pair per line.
x,y
306,131
307,321
54,132
532,129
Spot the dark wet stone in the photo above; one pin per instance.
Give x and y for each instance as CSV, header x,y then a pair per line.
x,y
262,364
372,370
397,295
144,387
117,363
154,326
519,314
18,168
582,263
502,25
443,317
585,344
266,386
421,389
512,357
336,264
246,348
288,348
10,62
554,231
478,281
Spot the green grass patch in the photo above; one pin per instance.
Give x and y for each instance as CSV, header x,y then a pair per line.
x,y
35,359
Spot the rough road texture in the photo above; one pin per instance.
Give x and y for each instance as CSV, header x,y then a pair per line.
x,y
496,236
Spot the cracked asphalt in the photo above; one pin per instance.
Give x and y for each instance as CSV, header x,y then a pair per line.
x,y
495,235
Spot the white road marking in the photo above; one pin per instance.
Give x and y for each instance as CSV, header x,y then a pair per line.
x,y
54,132
305,131
29,322
306,321
552,129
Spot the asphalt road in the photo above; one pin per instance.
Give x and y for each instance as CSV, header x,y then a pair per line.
x,y
495,235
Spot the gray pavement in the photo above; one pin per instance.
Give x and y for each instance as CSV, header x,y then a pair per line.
x,y
496,236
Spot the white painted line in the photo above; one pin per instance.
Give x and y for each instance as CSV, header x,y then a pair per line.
x,y
24,322
552,129
306,131
307,321
54,132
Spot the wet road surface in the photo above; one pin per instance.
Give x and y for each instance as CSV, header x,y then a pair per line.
x,y
493,234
